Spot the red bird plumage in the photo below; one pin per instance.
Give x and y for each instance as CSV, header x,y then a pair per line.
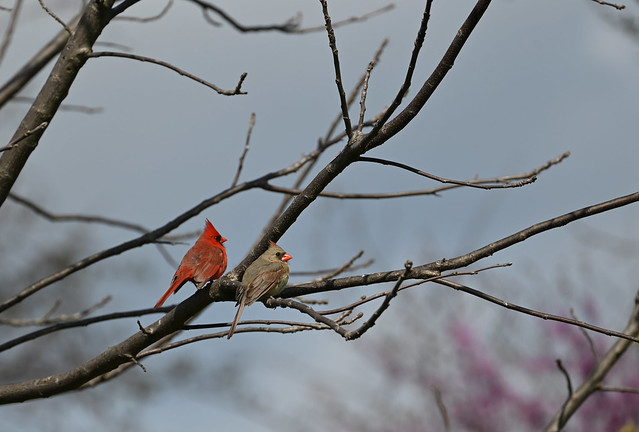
x,y
204,262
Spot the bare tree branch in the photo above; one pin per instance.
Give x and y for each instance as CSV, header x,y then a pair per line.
x,y
605,3
350,20
55,17
419,41
64,325
95,17
442,407
8,33
35,65
74,217
443,180
288,27
246,149
63,107
328,274
591,343
47,319
326,141
90,219
369,323
156,17
378,137
219,90
362,100
489,183
619,389
338,74
24,136
593,382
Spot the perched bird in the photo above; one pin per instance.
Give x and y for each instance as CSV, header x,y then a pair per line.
x,y
265,277
204,262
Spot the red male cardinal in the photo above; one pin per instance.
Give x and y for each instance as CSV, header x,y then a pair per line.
x,y
266,277
204,262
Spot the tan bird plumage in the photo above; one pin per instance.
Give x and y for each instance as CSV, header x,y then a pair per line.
x,y
265,277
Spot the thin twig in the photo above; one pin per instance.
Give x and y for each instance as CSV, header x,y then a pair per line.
x,y
600,371
332,271
79,323
273,302
367,299
288,27
64,107
293,328
532,312
326,141
403,90
247,322
619,389
90,219
605,3
369,323
442,407
25,74
236,91
27,134
74,217
55,17
121,7
135,361
350,20
8,33
336,65
447,181
388,129
362,100
431,191
568,384
591,343
246,149
47,319
156,17
338,271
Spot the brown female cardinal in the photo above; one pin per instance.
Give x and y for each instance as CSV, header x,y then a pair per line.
x,y
204,262
265,277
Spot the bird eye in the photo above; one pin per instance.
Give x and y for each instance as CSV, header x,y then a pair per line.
x,y
218,238
278,254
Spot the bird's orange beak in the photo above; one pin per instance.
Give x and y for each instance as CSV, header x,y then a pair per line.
x,y
222,239
286,257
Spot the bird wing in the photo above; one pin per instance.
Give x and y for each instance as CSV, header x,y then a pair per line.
x,y
210,265
262,284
